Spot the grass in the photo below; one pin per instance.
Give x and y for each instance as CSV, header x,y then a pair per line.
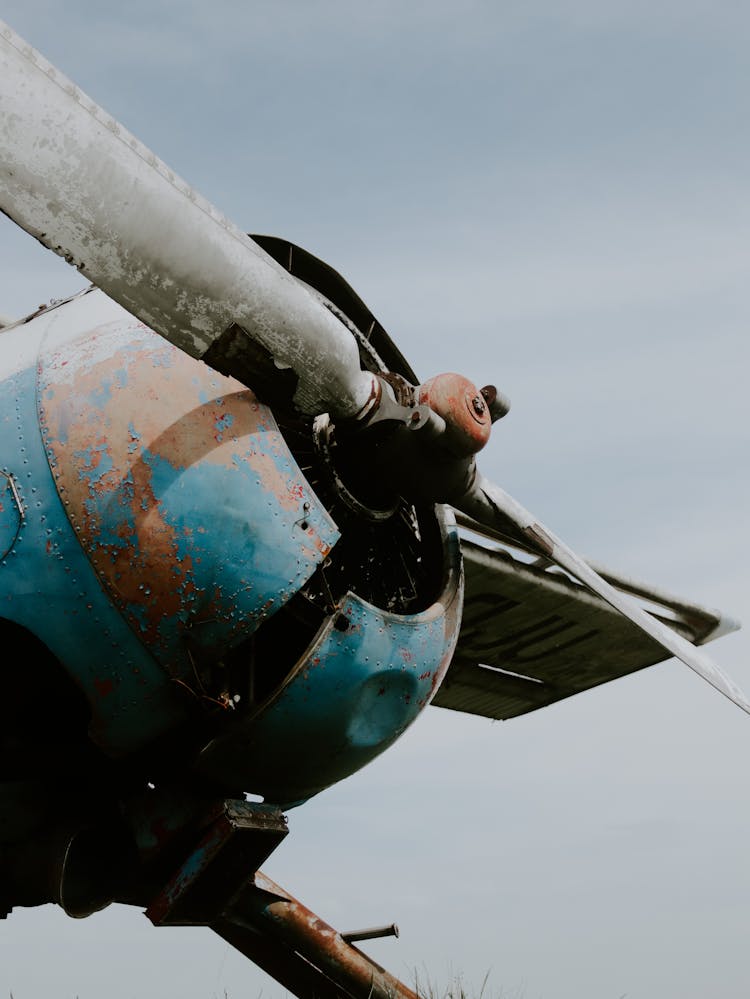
x,y
457,988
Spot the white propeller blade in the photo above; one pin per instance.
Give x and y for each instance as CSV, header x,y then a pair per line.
x,y
84,187
491,505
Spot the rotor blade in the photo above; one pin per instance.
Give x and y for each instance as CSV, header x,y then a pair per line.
x,y
77,181
492,506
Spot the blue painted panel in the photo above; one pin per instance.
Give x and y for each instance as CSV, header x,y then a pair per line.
x,y
363,682
48,586
10,512
186,519
181,488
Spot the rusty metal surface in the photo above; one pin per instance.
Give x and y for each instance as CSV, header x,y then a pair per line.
x,y
47,585
367,676
180,488
282,935
463,407
240,838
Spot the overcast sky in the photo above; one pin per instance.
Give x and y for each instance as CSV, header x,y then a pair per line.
x,y
552,197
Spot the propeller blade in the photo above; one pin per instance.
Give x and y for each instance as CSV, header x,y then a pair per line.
x,y
77,181
488,504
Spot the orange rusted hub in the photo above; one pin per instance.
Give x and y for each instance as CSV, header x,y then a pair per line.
x,y
463,407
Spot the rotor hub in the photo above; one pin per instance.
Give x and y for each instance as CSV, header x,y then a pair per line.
x,y
468,420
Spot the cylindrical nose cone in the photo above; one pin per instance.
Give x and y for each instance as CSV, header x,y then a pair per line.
x,y
465,411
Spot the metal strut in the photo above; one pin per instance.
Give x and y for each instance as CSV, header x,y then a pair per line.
x,y
300,950
265,923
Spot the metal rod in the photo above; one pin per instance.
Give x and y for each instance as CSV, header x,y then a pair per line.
x,y
371,934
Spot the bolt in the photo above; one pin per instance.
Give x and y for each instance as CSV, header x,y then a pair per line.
x,y
478,404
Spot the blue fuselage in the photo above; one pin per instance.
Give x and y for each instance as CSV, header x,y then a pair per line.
x,y
152,521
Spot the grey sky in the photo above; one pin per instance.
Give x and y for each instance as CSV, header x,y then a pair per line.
x,y
554,197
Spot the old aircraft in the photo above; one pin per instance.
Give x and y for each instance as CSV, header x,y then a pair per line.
x,y
243,547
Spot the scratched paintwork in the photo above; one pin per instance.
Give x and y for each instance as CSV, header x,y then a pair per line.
x,y
180,487
10,513
160,499
48,586
364,680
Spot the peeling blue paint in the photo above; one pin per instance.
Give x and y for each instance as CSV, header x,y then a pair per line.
x,y
77,623
215,531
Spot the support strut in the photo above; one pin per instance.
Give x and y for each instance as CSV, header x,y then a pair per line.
x,y
214,886
300,950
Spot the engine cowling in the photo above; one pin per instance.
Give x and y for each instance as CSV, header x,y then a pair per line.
x,y
202,560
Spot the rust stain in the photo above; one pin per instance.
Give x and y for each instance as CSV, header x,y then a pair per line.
x,y
104,687
114,452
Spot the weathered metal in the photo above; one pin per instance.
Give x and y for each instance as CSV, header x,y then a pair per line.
x,y
467,416
217,883
48,586
163,557
491,505
366,677
300,949
698,623
86,188
11,512
165,499
181,490
240,838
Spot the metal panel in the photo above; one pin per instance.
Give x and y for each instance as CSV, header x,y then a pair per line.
x,y
366,677
531,636
48,586
11,512
180,487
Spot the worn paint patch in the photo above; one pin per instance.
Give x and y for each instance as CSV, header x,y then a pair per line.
x,y
351,696
48,587
181,488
